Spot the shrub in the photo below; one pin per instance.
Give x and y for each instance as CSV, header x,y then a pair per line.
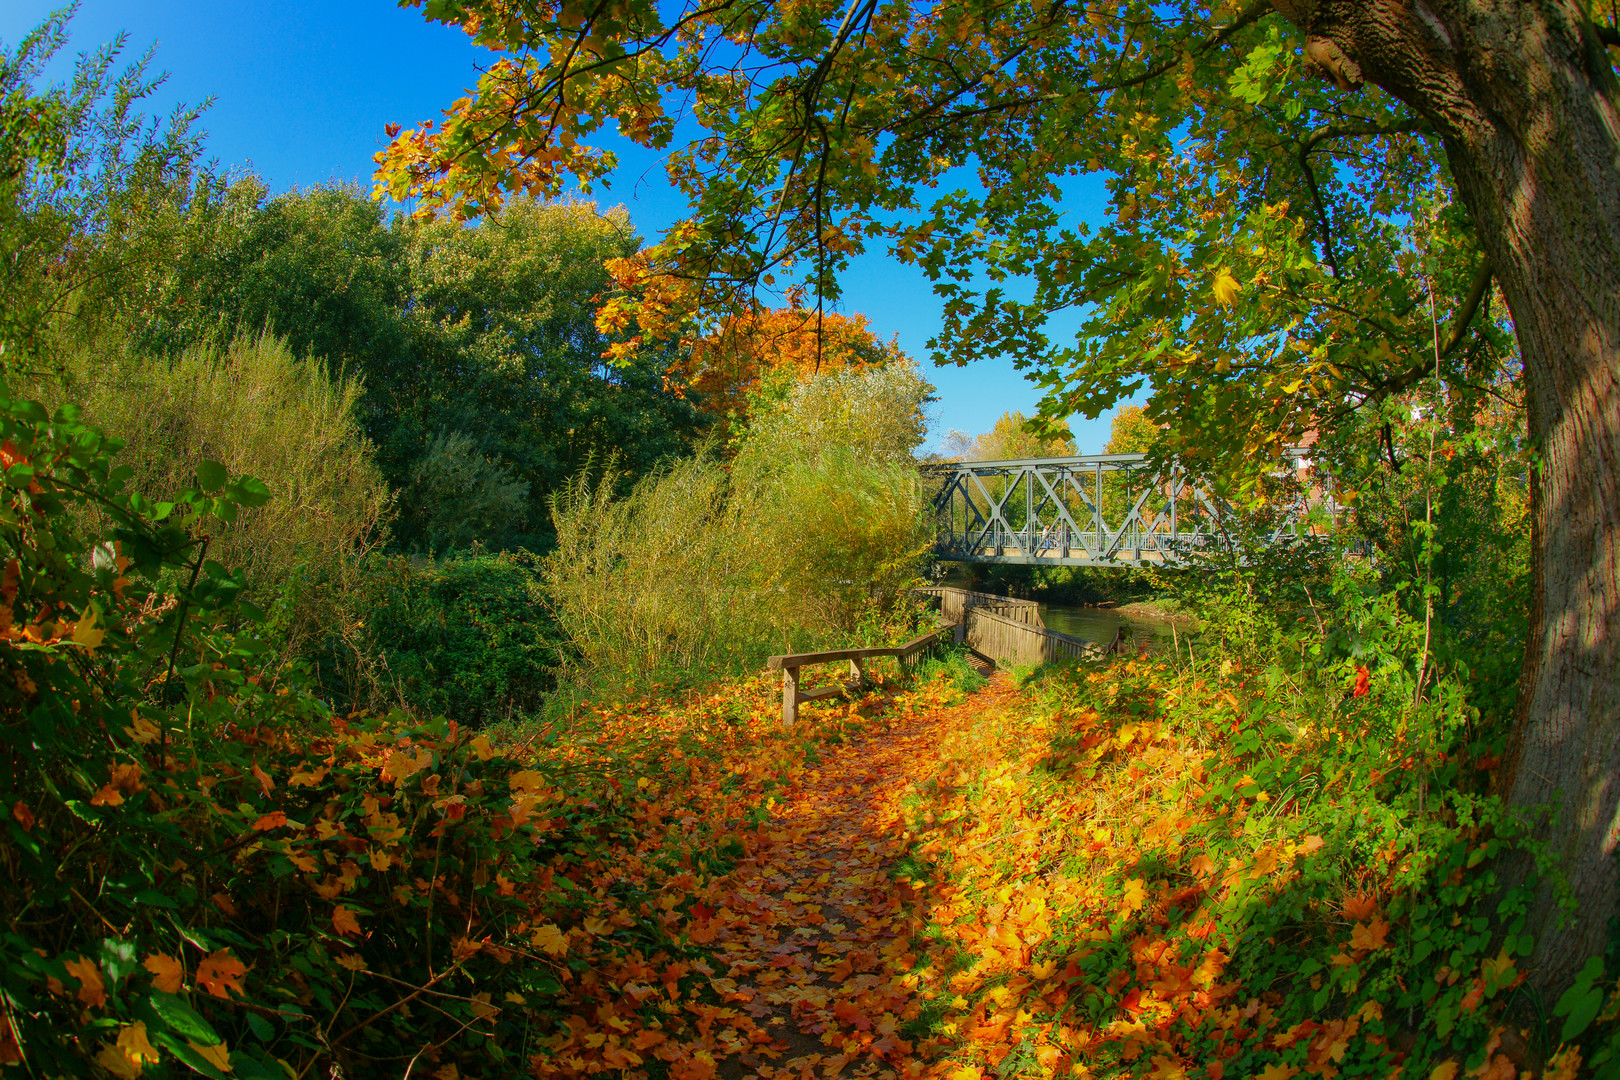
x,y
205,868
257,409
469,638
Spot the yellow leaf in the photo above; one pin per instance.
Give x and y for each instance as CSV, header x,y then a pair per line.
x,y
126,1057
597,925
550,940
85,632
1225,287
1135,895
352,962
1369,936
168,974
1278,1071
1446,1070
527,782
216,1055
481,747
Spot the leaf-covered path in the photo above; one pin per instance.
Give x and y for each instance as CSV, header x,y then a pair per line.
x,y
818,925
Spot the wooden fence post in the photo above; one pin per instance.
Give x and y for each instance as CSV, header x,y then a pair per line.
x,y
790,695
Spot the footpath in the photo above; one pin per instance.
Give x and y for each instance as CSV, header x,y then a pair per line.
x,y
819,925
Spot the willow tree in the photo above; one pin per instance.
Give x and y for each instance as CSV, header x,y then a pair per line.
x,y
1310,202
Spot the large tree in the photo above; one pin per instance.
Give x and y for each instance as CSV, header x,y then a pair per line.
x,y
1312,204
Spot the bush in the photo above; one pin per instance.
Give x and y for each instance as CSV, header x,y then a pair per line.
x,y
259,410
469,638
818,526
457,495
206,869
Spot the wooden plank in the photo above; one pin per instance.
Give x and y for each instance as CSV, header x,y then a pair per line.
x,y
775,663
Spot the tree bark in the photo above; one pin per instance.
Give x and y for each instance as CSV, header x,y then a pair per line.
x,y
1524,99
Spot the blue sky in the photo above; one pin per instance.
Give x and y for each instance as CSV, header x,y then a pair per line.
x,y
302,91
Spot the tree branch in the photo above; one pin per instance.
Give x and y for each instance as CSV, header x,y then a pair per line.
x,y
1471,305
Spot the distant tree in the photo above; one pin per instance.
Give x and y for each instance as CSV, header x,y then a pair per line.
x,y
1132,432
1013,436
482,334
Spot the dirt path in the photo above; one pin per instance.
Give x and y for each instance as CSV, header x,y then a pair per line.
x,y
817,929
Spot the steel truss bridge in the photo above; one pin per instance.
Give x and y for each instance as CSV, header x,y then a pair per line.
x,y
1105,510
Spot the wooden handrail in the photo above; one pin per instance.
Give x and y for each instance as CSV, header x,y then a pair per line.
x,y
790,663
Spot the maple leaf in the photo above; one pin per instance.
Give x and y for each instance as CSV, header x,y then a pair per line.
x,y
129,1053
1360,907
22,815
1363,682
92,991
352,962
550,940
343,920
168,974
1224,286
1366,937
266,784
219,973
1446,1070
1134,897
1278,1071
527,782
85,634
273,820
400,766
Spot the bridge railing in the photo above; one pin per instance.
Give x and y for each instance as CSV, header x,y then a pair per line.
x,y
1099,510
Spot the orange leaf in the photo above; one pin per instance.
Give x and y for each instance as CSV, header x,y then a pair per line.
x,y
343,921
92,991
168,974
1369,936
273,820
1360,907
219,973
265,783
23,816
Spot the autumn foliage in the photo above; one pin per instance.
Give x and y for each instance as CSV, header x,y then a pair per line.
x,y
723,367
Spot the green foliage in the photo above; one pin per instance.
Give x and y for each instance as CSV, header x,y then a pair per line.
x,y
1337,841
1013,436
457,495
475,346
876,414
78,160
470,638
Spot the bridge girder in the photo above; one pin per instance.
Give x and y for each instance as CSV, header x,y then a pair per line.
x,y
1096,510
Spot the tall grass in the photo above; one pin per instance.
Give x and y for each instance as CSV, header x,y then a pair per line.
x,y
703,568
258,409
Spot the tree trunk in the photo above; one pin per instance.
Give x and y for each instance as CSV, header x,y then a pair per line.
x,y
1524,99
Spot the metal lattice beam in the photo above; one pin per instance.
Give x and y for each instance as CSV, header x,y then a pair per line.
x,y
1095,510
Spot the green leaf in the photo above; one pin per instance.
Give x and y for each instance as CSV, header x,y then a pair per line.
x,y
210,475
182,1019
262,1029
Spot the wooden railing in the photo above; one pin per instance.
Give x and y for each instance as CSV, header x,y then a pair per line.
x,y
954,603
789,665
1007,641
